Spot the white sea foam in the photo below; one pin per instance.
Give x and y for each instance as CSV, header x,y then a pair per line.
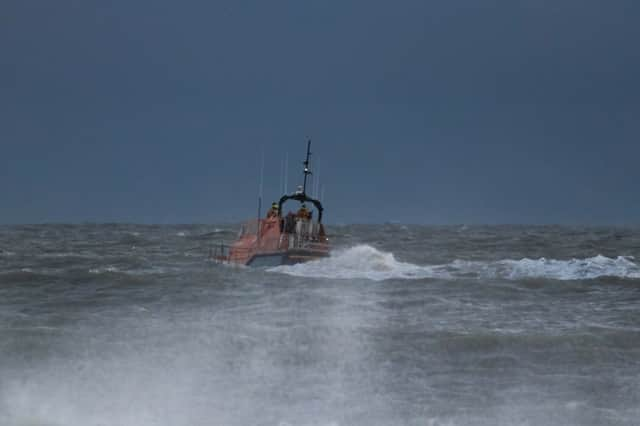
x,y
367,262
152,270
103,270
62,255
590,268
362,261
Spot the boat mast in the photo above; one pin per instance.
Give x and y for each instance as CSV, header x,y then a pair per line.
x,y
260,188
306,168
286,172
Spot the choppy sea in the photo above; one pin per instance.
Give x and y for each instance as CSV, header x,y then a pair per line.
x,y
130,325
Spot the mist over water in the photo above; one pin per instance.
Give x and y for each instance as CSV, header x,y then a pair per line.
x,y
405,325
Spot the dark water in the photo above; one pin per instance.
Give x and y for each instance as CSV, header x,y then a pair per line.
x,y
129,325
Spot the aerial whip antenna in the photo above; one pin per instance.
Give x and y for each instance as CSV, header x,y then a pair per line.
x,y
316,179
306,167
286,171
260,187
281,188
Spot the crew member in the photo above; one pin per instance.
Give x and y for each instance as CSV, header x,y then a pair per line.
x,y
303,213
273,211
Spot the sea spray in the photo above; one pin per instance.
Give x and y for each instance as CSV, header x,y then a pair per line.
x,y
364,261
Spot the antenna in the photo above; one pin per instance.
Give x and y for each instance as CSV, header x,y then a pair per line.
x,y
261,185
260,191
306,167
286,171
281,188
316,180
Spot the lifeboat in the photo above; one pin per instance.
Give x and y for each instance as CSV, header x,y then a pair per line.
x,y
280,239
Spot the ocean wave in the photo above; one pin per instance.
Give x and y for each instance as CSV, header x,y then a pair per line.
x,y
104,270
64,255
24,275
152,270
364,261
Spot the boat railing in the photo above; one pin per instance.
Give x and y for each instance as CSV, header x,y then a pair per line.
x,y
225,252
250,227
219,251
302,243
294,233
305,234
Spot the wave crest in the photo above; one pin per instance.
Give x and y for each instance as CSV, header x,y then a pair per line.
x,y
364,261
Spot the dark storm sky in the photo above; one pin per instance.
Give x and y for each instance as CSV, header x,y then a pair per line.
x,y
420,111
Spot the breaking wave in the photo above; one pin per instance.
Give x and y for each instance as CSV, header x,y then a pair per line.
x,y
364,261
104,270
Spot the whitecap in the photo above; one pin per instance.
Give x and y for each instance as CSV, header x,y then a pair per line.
x,y
364,261
103,270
